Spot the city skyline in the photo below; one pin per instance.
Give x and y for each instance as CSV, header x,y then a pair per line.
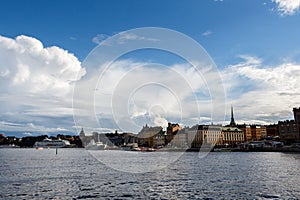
x,y
257,55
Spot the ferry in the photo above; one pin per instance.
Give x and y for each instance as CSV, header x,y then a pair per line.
x,y
49,143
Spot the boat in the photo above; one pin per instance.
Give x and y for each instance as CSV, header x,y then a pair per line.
x,y
49,143
222,149
92,145
131,147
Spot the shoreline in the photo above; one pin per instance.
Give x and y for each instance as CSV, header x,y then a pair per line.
x,y
265,149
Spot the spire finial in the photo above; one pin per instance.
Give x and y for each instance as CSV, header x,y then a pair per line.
x,y
232,122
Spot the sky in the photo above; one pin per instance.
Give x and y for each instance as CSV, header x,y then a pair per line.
x,y
45,51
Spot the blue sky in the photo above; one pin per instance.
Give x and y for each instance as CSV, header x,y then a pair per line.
x,y
252,43
235,27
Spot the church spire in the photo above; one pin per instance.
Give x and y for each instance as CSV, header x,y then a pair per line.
x,y
232,122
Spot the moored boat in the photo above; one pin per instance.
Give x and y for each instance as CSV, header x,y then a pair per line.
x,y
95,145
49,143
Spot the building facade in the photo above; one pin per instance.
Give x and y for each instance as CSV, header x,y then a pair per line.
x,y
212,134
180,139
172,130
253,132
204,134
297,120
196,136
247,132
147,137
272,130
232,136
289,130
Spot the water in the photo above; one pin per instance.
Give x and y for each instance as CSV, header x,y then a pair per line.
x,y
76,174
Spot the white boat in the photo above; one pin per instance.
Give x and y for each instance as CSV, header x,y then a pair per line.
x,y
95,145
49,143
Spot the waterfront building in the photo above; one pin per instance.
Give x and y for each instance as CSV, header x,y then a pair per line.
x,y
147,135
289,130
263,132
253,132
247,132
211,134
272,130
297,120
202,134
180,139
113,139
159,139
172,130
258,132
231,134
193,136
129,138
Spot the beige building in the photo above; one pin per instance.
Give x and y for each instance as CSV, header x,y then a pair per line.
x,y
180,139
204,134
195,136
212,134
232,135
172,130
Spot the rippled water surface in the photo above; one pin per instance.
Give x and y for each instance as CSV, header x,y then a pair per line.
x,y
76,174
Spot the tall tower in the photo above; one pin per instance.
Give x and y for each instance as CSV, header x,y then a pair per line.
x,y
232,122
296,114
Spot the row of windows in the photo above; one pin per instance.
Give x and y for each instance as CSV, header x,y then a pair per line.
x,y
282,125
234,137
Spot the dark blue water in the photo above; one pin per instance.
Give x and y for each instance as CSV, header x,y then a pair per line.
x,y
75,174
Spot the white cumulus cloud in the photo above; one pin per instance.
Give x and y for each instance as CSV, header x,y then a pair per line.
x,y
287,7
130,94
34,77
262,93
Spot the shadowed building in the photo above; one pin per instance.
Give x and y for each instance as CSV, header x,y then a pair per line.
x,y
272,130
297,120
289,129
148,135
